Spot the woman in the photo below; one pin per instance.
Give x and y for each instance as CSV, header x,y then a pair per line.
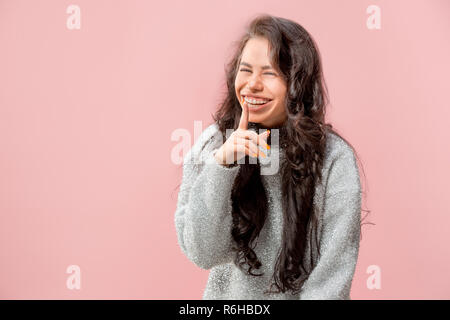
x,y
299,227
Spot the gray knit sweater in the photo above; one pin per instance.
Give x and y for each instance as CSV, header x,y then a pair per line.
x,y
203,223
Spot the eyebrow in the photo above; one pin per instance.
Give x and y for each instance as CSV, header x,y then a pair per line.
x,y
249,65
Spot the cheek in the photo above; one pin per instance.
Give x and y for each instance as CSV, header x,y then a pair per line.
x,y
281,95
279,108
238,82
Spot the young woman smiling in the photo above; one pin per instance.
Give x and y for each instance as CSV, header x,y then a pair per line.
x,y
299,227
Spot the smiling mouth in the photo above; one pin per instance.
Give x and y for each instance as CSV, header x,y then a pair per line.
x,y
256,101
256,107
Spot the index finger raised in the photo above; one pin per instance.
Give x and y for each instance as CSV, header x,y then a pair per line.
x,y
243,122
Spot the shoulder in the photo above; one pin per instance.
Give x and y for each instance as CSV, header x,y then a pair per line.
x,y
336,147
340,168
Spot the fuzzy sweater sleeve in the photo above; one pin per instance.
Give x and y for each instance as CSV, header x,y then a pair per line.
x,y
332,276
203,217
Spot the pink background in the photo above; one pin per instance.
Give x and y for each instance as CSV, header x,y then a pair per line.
x,y
86,117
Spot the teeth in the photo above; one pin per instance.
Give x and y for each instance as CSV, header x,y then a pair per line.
x,y
254,101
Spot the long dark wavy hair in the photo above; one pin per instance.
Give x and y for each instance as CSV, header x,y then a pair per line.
x,y
296,55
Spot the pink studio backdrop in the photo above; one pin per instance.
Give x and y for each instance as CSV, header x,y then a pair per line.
x,y
86,117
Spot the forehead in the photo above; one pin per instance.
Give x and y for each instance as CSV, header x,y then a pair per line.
x,y
256,52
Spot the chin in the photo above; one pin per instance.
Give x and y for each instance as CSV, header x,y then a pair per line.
x,y
258,118
257,121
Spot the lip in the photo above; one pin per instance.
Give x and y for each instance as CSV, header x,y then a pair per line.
x,y
259,107
255,96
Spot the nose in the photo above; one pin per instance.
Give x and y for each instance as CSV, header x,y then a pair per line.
x,y
255,83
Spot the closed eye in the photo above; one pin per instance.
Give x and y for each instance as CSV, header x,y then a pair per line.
x,y
247,70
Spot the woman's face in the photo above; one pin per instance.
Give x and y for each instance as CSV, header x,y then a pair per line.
x,y
258,79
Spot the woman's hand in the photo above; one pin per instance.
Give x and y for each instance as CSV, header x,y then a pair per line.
x,y
242,142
